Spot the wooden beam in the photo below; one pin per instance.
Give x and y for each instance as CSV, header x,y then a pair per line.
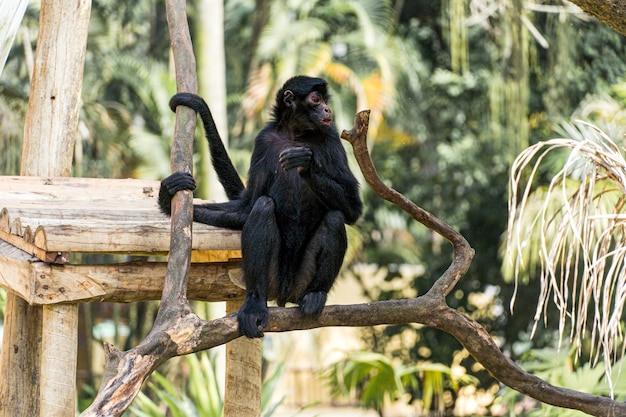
x,y
20,359
40,283
57,189
93,215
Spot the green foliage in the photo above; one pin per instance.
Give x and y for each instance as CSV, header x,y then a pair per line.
x,y
376,379
448,148
200,397
372,374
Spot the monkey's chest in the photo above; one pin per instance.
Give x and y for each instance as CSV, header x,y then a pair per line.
x,y
297,204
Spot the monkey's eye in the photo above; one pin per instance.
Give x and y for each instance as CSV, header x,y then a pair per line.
x,y
315,98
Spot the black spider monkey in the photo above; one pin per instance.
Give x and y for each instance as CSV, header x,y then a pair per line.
x,y
292,214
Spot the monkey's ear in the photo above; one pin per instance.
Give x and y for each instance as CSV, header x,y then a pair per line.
x,y
288,98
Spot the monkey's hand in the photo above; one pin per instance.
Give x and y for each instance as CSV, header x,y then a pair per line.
x,y
171,185
296,157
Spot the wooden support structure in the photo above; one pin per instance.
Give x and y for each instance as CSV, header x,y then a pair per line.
x,y
46,218
30,344
44,221
242,397
49,217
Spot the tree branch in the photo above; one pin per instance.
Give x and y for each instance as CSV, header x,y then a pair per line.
x,y
184,332
463,253
610,12
125,372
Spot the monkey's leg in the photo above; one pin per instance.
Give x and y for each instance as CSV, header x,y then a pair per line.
x,y
260,241
322,261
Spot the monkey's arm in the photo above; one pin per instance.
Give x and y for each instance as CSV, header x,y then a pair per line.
x,y
332,182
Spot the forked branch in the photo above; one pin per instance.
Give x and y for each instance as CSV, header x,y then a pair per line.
x,y
178,331
432,310
185,333
463,253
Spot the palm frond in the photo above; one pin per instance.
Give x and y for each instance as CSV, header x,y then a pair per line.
x,y
285,33
574,231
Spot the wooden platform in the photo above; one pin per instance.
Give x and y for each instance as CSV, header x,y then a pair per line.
x,y
43,220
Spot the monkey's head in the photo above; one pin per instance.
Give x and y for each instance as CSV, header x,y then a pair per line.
x,y
302,104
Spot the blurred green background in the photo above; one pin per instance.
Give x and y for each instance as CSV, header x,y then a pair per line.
x,y
457,89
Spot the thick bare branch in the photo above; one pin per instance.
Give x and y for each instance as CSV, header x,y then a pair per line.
x,y
610,12
431,309
177,274
182,332
175,323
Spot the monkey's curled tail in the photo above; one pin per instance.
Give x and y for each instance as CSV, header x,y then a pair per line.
x,y
226,172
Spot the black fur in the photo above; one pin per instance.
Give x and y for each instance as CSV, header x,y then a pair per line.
x,y
292,214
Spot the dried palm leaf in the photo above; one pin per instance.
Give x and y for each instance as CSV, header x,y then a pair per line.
x,y
573,231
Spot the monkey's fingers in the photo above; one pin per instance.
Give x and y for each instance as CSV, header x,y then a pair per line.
x,y
297,157
179,181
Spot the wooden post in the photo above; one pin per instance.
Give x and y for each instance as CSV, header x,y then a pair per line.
x,y
54,104
242,396
59,347
19,363
49,137
19,391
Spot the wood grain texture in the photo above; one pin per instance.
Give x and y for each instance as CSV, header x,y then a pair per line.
x,y
40,283
92,215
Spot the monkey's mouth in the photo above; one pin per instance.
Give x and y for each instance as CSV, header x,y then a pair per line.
x,y
327,122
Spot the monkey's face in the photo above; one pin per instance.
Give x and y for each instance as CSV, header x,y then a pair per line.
x,y
302,106
317,109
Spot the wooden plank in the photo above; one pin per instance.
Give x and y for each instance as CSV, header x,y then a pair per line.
x,y
94,215
40,283
144,237
35,189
